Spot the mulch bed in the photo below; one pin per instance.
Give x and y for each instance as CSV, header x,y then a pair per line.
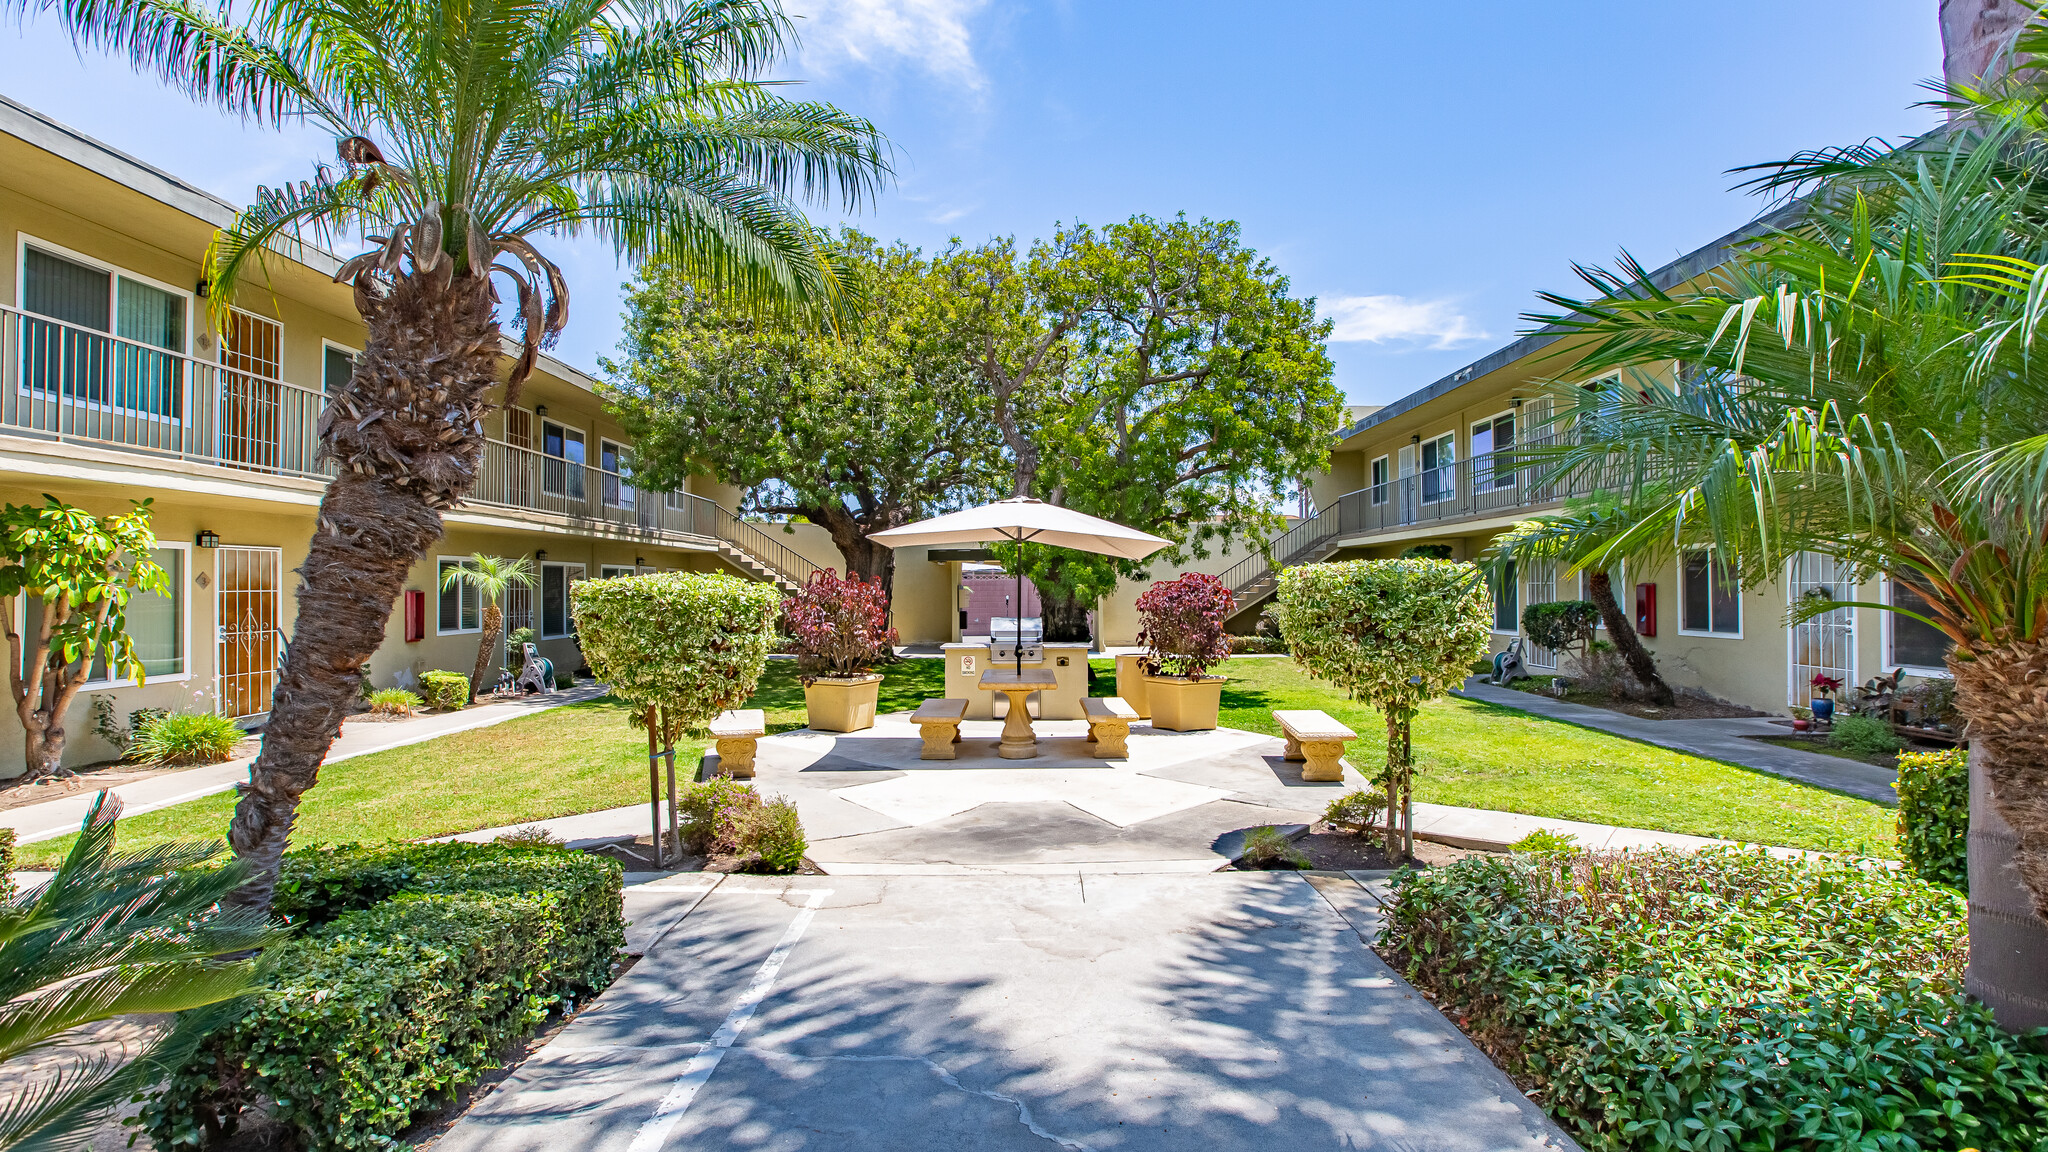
x,y
1331,850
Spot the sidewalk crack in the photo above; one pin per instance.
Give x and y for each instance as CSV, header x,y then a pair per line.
x,y
951,1081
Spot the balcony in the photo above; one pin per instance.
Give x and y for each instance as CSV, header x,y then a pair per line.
x,y
70,384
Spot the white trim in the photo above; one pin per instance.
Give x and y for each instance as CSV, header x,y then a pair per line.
x,y
613,571
1889,656
465,562
607,478
184,628
1380,492
22,241
325,344
1514,416
540,600
1680,581
540,448
1444,493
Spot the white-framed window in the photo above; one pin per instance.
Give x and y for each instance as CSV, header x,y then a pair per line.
x,y
556,618
616,462
614,571
1919,648
139,370
337,365
1507,605
1708,603
567,453
1440,468
159,623
1382,472
1495,434
461,603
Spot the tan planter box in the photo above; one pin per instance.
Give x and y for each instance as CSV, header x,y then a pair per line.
x,y
842,705
1181,705
1130,683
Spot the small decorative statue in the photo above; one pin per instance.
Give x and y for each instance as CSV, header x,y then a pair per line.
x,y
537,674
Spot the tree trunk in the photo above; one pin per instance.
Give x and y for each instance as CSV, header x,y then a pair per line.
x,y
486,647
1622,634
1065,620
1975,35
45,749
875,563
2003,693
407,433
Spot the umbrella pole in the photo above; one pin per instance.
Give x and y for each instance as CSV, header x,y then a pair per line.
x,y
1017,649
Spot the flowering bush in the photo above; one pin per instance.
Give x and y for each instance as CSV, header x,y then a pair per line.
x,y
1393,633
687,645
840,627
1181,625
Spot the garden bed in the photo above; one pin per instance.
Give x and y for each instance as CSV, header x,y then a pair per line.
x,y
1684,707
637,855
1335,850
1819,743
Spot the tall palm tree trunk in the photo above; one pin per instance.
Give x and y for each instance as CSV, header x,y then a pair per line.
x,y
2004,695
1622,634
486,647
408,436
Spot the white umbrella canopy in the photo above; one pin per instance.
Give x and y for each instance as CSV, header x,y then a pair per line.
x,y
1021,518
1024,520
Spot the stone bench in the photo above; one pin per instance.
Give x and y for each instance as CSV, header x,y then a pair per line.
x,y
1314,737
938,721
1109,725
738,733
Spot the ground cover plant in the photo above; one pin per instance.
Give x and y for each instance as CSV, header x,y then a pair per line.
x,y
722,816
575,758
395,702
1723,1000
181,738
414,967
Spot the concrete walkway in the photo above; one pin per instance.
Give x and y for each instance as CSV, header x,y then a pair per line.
x,y
62,816
934,1014
1722,740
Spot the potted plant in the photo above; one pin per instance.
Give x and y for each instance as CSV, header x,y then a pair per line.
x,y
839,631
1181,627
1824,689
1802,719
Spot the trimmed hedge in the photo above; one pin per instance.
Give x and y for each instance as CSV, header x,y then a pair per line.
x,y
6,863
418,965
445,690
1723,1000
1934,815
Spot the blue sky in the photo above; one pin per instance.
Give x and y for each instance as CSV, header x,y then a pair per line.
x,y
1422,169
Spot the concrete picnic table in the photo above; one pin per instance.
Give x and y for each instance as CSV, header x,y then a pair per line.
x,y
1019,741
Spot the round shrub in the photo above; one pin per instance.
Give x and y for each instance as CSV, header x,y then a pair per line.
x,y
1181,625
774,837
185,738
447,691
686,645
1355,811
1863,736
838,628
1934,815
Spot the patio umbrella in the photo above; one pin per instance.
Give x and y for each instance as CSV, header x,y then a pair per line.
x,y
1021,519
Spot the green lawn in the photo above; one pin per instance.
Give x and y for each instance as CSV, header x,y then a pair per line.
x,y
1478,755
585,757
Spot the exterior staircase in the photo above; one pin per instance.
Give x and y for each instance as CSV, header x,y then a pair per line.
x,y
1256,577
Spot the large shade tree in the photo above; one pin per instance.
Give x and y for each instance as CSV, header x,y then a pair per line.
x,y
1156,373
1872,386
857,426
465,130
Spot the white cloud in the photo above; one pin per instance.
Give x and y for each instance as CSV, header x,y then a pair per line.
x,y
930,34
1390,319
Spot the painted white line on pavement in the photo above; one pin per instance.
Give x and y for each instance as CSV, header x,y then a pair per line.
x,y
670,1111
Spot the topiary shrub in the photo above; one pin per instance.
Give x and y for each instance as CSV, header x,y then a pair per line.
x,y
1934,815
1180,623
1562,625
839,628
1392,633
444,690
415,967
1863,736
683,646
1723,999
181,738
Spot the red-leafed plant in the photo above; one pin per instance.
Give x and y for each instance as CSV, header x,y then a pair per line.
x,y
1183,624
841,627
1826,685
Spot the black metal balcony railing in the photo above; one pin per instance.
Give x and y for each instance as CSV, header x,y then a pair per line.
x,y
63,382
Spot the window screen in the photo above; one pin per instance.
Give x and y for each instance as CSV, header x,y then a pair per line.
x,y
336,366
1506,611
1915,643
1710,604
462,603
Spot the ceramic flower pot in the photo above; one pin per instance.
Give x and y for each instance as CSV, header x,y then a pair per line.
x,y
1823,709
1130,683
1801,724
842,704
1183,705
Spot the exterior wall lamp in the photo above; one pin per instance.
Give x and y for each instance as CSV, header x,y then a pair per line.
x,y
539,554
639,561
208,538
540,409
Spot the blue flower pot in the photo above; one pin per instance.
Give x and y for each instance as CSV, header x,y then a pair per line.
x,y
1824,710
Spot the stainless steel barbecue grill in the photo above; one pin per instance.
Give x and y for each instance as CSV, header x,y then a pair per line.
x,y
1014,640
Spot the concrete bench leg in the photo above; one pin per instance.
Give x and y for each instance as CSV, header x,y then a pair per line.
x,y
1106,739
939,740
1293,747
1325,759
736,756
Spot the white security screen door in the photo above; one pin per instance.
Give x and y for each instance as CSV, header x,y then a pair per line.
x,y
248,607
1826,643
1539,580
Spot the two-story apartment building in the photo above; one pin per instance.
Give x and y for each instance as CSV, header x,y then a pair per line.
x,y
114,387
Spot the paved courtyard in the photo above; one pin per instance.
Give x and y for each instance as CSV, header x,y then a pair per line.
x,y
942,1013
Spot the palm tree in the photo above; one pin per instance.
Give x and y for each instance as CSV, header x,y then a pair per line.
x,y
114,935
1582,539
1870,386
492,577
465,128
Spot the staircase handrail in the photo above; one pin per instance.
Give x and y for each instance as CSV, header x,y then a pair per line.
x,y
1301,540
771,553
